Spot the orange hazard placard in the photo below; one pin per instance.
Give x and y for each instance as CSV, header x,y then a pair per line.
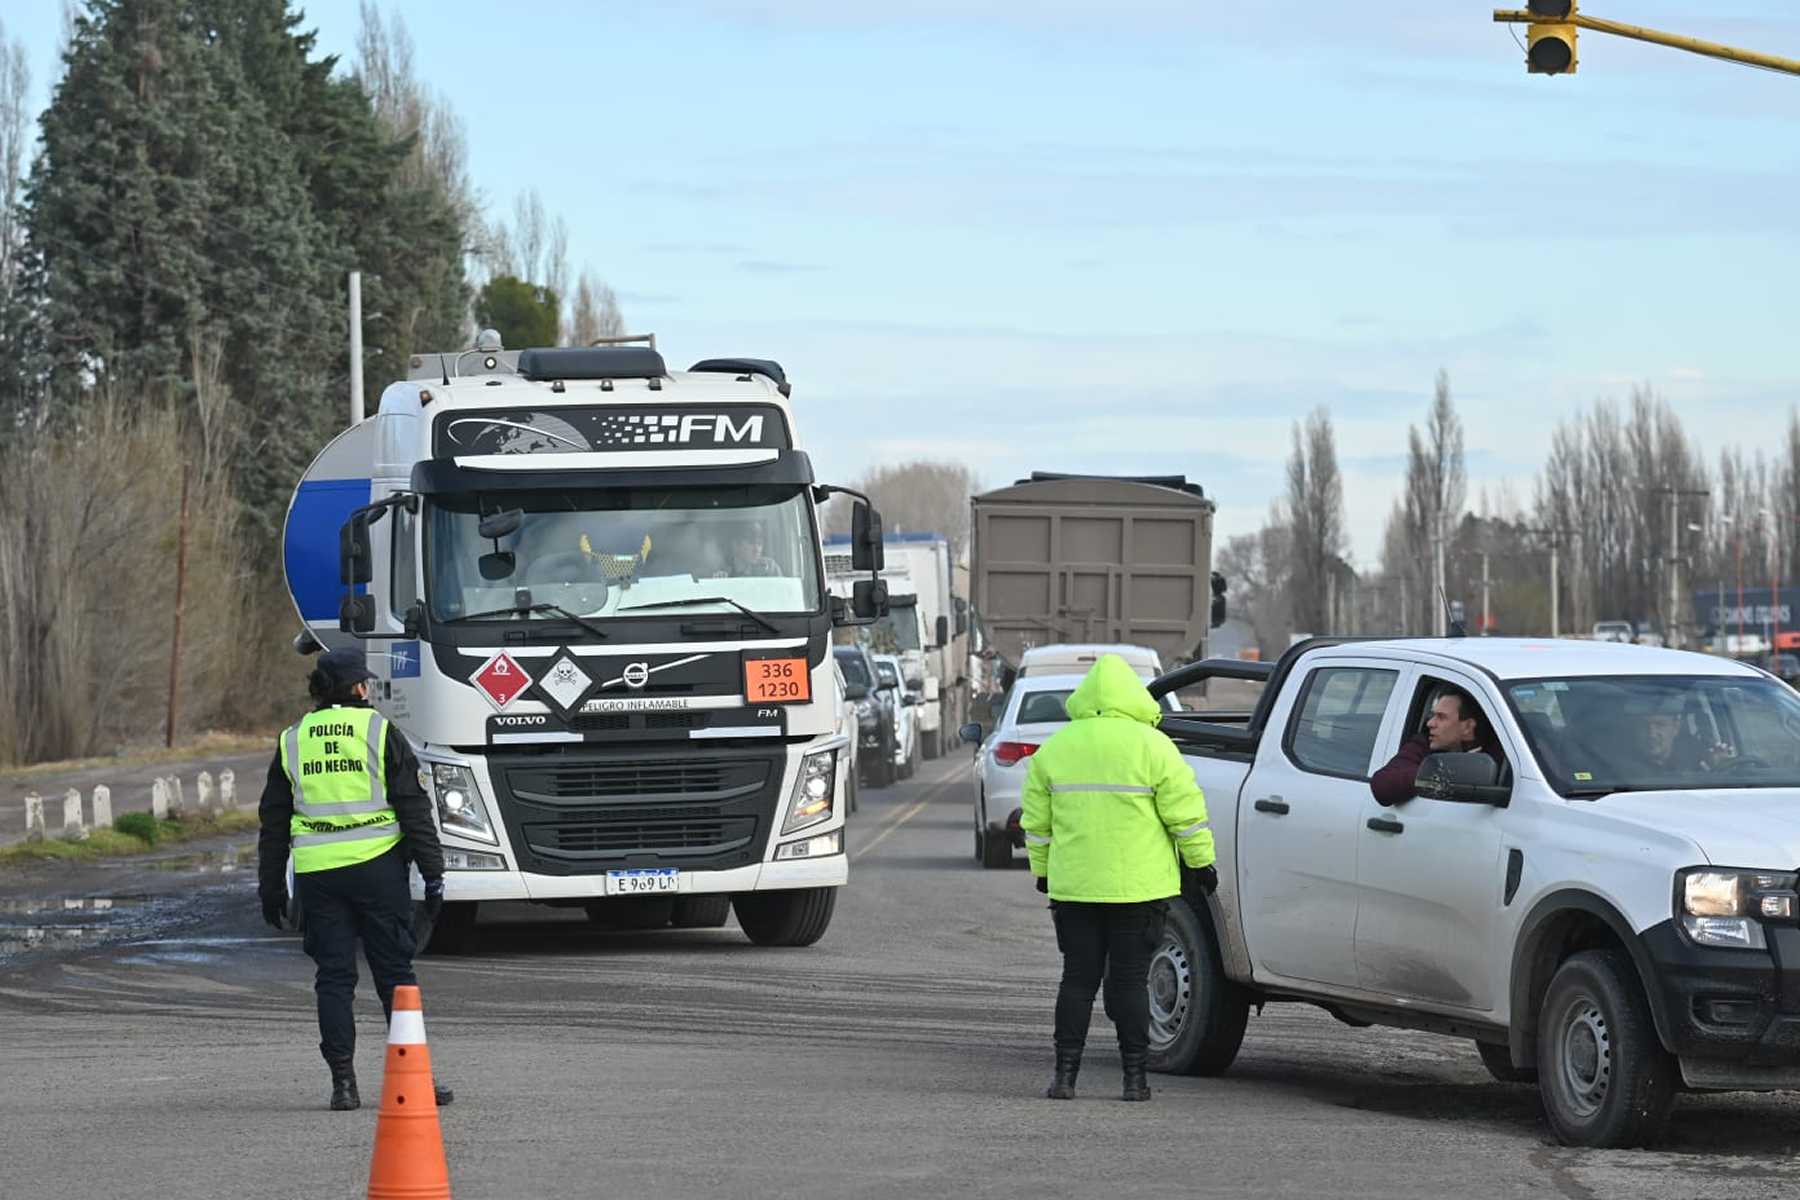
x,y
777,681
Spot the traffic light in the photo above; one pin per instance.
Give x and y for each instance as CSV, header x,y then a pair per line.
x,y
1549,38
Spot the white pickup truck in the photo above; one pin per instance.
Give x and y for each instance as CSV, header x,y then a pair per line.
x,y
1604,902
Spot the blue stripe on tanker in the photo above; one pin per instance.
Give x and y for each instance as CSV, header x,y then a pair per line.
x,y
309,544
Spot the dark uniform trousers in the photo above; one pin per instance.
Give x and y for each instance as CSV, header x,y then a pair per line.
x,y
1114,941
370,901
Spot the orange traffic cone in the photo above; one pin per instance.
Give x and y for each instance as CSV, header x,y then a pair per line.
x,y
409,1147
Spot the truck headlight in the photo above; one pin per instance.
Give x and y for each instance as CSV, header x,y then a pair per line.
x,y
1727,908
866,715
459,806
814,792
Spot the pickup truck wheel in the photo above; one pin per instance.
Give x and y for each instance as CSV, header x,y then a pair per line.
x,y
1604,1077
1499,1064
1197,1015
786,918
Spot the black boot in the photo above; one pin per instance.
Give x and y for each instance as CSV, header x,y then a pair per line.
x,y
1068,1066
1137,1085
343,1086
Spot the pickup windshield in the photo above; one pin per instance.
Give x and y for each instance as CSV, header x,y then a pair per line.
x,y
596,553
1598,735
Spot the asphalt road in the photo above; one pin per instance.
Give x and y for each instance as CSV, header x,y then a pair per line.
x,y
902,1056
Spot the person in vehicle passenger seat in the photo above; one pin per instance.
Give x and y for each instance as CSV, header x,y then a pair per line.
x,y
1456,724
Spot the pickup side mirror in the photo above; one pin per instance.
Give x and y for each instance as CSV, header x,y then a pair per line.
x,y
866,550
1467,777
971,733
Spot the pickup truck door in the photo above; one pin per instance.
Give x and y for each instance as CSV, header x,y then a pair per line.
x,y
1301,810
1432,877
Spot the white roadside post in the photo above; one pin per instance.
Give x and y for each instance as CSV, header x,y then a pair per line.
x,y
159,799
72,827
227,789
102,806
177,797
203,792
34,817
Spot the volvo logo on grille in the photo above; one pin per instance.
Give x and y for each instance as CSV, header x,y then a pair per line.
x,y
636,674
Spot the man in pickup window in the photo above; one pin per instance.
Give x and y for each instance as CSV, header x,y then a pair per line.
x,y
1112,816
1456,724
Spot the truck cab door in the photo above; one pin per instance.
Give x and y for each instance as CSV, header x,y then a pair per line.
x,y
1431,879
1301,809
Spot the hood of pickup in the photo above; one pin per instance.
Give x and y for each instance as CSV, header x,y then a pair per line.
x,y
1733,827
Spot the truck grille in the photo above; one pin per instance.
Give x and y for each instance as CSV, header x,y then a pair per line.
x,y
582,811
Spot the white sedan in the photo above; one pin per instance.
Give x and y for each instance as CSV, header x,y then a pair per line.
x,y
1033,710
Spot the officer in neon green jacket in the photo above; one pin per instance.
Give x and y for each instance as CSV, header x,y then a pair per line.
x,y
1111,815
344,795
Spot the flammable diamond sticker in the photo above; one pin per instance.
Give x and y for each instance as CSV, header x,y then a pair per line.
x,y
565,683
501,680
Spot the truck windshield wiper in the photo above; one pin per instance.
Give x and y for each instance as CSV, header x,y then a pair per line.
x,y
541,607
748,612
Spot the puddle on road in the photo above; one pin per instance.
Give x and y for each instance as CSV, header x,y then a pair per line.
x,y
232,858
62,923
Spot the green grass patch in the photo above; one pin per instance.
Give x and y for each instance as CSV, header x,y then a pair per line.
x,y
127,838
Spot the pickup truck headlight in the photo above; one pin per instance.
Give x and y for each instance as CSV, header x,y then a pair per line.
x,y
814,792
459,806
1727,908
866,714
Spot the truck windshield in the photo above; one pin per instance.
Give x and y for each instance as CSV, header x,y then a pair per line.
x,y
1598,735
598,552
899,630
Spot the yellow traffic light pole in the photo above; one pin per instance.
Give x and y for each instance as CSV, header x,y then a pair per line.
x,y
1771,62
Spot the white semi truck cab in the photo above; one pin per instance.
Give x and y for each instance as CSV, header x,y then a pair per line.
x,y
593,594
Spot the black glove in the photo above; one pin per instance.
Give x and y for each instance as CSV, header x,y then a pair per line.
x,y
1206,879
1043,884
434,899
274,906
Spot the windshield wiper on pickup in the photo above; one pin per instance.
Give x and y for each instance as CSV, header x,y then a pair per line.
x,y
748,612
541,607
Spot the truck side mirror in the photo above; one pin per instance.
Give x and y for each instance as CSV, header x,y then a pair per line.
x,y
1464,777
1218,599
866,551
414,623
355,563
356,614
869,598
942,630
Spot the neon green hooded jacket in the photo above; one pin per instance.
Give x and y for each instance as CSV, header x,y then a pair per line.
x,y
1109,801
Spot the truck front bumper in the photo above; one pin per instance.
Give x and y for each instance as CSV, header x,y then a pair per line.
x,y
1732,1016
831,871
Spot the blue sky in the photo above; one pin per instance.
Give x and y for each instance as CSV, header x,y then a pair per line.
x,y
1147,236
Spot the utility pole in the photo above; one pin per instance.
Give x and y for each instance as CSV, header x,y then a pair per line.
x,y
1438,606
356,349
1670,635
1487,616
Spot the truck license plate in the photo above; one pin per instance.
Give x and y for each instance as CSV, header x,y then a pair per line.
x,y
642,883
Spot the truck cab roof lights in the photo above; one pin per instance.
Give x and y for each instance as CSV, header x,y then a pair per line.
x,y
592,362
745,368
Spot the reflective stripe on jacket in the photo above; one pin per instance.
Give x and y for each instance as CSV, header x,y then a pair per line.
x,y
1108,800
334,762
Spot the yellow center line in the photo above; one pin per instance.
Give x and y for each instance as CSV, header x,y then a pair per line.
x,y
909,814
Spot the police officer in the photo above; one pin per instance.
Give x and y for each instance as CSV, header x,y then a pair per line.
x,y
344,793
1111,816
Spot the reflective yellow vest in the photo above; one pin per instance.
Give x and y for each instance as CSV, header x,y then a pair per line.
x,y
334,762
